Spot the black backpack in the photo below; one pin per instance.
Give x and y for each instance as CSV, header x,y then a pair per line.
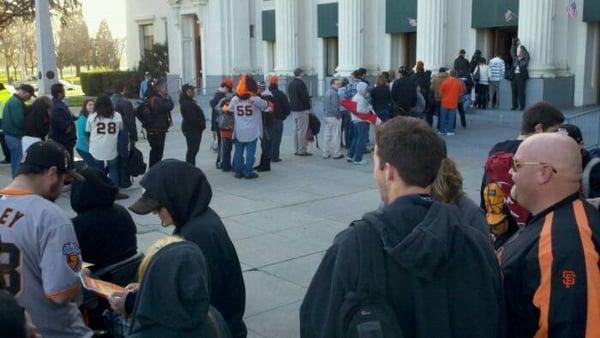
x,y
135,163
365,312
144,113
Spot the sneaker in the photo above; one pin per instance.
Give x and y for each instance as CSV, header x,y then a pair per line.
x,y
303,154
441,134
367,151
252,176
349,159
121,196
450,134
326,157
238,176
363,162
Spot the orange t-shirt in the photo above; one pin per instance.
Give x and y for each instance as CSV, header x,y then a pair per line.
x,y
451,90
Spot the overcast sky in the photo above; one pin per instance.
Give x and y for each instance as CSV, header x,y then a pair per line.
x,y
113,11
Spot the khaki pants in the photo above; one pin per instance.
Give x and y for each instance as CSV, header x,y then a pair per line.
x,y
494,89
332,137
301,123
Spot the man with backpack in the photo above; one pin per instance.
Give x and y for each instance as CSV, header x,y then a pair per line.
x,y
281,110
409,269
503,214
125,108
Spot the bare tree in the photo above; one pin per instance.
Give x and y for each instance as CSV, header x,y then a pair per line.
x,y
9,42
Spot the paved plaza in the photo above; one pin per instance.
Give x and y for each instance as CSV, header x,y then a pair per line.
x,y
282,222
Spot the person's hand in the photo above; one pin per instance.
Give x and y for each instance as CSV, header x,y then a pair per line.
x,y
117,302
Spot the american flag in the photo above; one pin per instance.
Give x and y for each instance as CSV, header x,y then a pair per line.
x,y
412,22
572,9
509,15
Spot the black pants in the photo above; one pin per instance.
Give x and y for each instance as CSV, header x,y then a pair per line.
x,y
156,139
225,153
266,145
461,112
218,161
193,145
124,177
518,91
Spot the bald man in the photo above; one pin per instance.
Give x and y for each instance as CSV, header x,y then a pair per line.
x,y
551,271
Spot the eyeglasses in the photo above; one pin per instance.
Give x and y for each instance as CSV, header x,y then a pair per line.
x,y
515,165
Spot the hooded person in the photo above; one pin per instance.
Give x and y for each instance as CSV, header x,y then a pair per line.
x,y
180,194
105,230
437,277
173,296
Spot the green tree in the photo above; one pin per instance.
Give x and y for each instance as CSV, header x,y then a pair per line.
x,y
105,48
155,61
74,44
13,10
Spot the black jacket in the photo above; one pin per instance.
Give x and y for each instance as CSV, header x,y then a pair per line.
x,y
185,192
37,121
193,116
381,98
173,299
62,124
404,93
282,105
462,67
125,108
423,79
161,113
105,230
298,95
443,278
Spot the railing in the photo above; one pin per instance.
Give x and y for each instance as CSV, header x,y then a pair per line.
x,y
589,123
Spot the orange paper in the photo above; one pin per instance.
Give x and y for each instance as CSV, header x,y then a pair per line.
x,y
100,287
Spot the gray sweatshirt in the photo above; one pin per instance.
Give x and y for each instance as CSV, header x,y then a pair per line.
x,y
331,104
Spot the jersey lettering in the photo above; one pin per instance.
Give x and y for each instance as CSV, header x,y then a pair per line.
x,y
104,128
247,110
10,216
10,271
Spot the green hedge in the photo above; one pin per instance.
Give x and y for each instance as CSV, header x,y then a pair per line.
x,y
94,84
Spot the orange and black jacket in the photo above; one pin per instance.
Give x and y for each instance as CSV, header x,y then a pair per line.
x,y
552,273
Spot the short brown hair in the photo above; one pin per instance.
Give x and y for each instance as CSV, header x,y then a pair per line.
x,y
412,148
448,185
381,81
543,113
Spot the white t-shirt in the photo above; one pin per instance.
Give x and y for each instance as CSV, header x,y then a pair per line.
x,y
104,136
40,259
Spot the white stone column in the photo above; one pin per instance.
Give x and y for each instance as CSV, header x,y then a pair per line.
x,y
46,53
432,32
350,36
536,32
286,34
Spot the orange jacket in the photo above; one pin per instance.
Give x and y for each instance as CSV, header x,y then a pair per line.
x,y
451,90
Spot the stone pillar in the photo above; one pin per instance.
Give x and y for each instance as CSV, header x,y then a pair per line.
x,y
286,32
431,33
46,53
536,32
350,32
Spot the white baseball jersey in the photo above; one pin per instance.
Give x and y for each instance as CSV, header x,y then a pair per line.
x,y
248,118
40,259
104,136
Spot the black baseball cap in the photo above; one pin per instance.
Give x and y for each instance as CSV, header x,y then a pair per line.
x,y
145,204
27,88
186,87
47,154
572,131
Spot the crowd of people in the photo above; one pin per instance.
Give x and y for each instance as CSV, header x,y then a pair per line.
x,y
429,262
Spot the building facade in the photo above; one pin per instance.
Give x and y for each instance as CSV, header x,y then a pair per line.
x,y
210,39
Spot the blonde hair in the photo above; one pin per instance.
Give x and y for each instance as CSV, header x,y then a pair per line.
x,y
152,250
448,184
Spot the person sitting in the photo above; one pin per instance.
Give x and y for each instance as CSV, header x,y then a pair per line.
x,y
105,230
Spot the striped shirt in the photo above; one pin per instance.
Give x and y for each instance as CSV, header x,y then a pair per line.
x,y
497,69
552,273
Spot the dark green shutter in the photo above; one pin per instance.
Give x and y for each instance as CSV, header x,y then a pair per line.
x,y
327,22
397,16
491,13
268,25
591,10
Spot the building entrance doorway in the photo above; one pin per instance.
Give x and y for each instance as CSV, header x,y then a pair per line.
x,y
198,52
501,43
404,50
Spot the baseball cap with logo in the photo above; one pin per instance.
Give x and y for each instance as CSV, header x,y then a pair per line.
x,y
572,131
47,154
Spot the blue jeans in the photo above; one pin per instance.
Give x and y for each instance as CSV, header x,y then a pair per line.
x,y
276,132
239,165
114,169
359,140
87,158
15,146
383,115
347,128
448,120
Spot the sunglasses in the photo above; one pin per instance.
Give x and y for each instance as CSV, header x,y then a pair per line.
x,y
515,165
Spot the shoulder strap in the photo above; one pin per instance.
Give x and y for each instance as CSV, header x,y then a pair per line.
x,y
587,175
371,277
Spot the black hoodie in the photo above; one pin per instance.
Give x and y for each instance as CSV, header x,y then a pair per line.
x,y
185,192
445,277
173,296
105,230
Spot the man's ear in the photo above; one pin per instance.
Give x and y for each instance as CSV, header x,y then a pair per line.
x,y
544,175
